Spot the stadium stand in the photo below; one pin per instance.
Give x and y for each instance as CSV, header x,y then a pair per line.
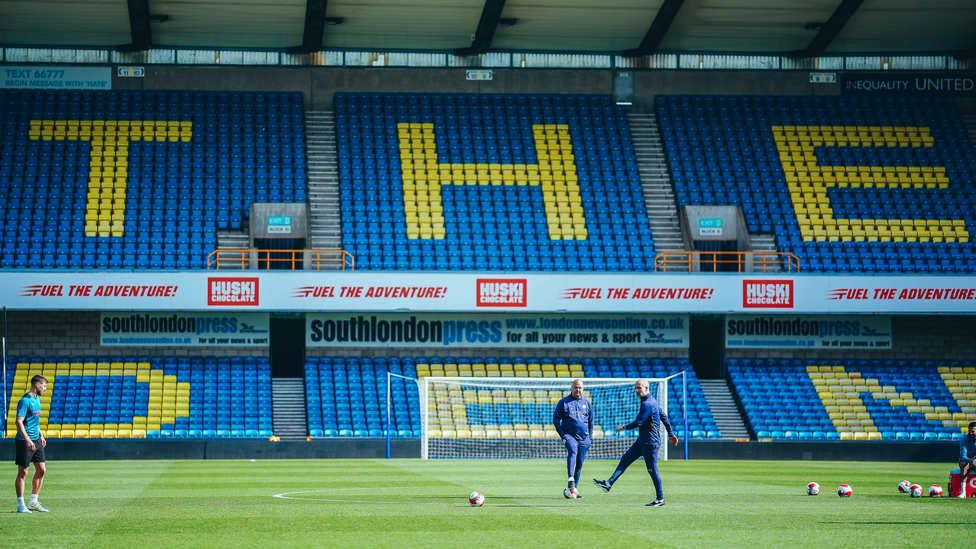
x,y
489,182
855,399
140,179
147,397
347,396
846,184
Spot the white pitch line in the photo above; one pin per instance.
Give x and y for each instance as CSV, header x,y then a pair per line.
x,y
290,495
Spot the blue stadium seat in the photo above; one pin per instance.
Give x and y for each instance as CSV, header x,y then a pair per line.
x,y
335,403
912,169
164,183
117,398
895,400
480,222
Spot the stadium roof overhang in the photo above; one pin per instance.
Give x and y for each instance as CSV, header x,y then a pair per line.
x,y
803,27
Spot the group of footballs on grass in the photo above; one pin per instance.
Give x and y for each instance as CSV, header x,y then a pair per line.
x,y
905,487
477,499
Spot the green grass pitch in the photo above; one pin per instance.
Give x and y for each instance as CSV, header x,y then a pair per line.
x,y
414,503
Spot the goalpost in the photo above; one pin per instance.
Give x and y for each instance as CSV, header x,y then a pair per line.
x,y
511,418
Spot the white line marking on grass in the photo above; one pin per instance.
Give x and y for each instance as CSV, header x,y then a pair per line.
x,y
461,503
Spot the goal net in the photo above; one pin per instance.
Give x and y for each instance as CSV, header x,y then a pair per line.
x,y
511,418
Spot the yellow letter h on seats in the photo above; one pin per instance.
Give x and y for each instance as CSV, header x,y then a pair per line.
x,y
555,174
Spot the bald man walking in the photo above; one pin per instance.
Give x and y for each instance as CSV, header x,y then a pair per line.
x,y
573,418
648,442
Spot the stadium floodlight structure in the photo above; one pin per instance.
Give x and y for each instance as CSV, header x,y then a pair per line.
x,y
511,417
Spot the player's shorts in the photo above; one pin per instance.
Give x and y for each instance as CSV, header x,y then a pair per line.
x,y
25,457
964,463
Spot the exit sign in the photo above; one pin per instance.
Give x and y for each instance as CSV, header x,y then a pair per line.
x,y
279,224
710,226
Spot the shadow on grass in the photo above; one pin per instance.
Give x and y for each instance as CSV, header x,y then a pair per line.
x,y
442,500
502,498
905,522
524,505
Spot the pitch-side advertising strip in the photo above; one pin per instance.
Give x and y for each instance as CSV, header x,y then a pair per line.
x,y
439,330
377,291
162,329
863,332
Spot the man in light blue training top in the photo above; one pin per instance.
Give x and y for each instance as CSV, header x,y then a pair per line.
x,y
967,454
573,418
648,441
30,445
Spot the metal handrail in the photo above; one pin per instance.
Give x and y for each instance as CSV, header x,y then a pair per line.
x,y
787,261
250,258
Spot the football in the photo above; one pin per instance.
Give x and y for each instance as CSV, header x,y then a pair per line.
x,y
813,489
935,491
844,491
570,493
915,491
477,499
903,486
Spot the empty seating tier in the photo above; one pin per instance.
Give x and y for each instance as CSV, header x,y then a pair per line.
x,y
489,182
347,396
856,399
140,397
846,184
140,179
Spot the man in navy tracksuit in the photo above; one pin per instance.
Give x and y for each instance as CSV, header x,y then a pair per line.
x,y
648,441
967,454
573,418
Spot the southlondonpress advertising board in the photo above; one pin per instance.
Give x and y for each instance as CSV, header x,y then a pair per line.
x,y
381,291
496,330
864,332
163,329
